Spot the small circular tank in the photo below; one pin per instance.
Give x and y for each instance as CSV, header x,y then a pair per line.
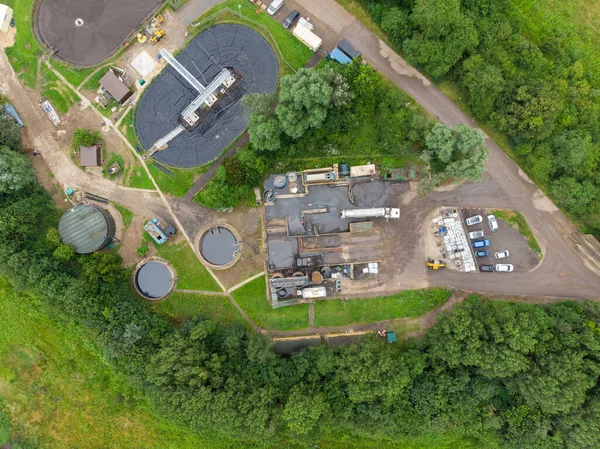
x,y
219,246
280,182
154,279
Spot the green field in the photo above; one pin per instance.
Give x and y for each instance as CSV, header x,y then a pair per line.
x,y
191,274
179,306
59,392
407,304
252,298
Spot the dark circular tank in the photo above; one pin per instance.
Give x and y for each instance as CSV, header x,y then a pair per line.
x,y
154,280
219,246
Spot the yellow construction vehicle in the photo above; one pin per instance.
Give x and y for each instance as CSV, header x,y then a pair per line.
x,y
141,38
159,19
435,264
157,36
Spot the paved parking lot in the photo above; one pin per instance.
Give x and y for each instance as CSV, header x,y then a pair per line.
x,y
521,256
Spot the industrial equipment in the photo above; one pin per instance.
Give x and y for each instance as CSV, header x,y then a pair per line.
x,y
435,264
376,212
141,38
157,36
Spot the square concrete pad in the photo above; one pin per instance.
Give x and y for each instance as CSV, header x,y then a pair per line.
x,y
144,64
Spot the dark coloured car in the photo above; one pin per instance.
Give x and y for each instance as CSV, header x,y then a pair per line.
x,y
482,253
487,268
290,18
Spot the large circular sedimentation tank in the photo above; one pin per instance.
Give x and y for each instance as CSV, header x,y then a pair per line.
x,y
86,228
229,46
154,279
219,246
85,32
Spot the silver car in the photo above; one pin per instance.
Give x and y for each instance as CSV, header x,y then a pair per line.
x,y
501,254
493,223
476,234
505,267
474,220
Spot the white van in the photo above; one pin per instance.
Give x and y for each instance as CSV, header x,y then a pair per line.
x,y
274,6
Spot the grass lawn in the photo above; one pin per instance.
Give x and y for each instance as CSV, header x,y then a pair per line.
x,y
407,304
182,179
191,274
94,82
126,214
293,51
128,129
179,306
252,298
58,391
138,178
516,220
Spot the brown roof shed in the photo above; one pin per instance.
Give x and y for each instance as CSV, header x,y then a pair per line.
x,y
90,156
115,87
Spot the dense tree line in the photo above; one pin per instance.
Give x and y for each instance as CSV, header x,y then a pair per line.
x,y
524,375
347,112
543,97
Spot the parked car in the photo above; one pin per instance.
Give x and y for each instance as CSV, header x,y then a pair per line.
x,y
501,254
493,223
291,18
274,7
474,220
487,268
482,253
505,267
476,234
480,243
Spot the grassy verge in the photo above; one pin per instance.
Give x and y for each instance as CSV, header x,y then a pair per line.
x,y
94,82
358,10
58,391
126,214
182,179
407,304
252,298
516,220
73,75
179,306
128,128
191,274
293,51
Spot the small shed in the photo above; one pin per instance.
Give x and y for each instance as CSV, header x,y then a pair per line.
x,y
6,15
115,87
90,156
339,56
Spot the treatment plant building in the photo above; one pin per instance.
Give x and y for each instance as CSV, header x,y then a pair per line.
x,y
86,228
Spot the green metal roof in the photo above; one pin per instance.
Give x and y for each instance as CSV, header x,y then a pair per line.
x,y
85,228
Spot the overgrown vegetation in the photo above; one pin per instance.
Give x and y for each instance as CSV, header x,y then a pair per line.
x,y
406,304
326,115
490,374
516,220
529,72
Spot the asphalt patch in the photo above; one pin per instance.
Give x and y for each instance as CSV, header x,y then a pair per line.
x,y
232,46
85,32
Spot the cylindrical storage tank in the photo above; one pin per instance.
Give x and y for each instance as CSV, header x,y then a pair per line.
x,y
86,228
344,169
292,177
219,246
154,279
317,277
280,182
